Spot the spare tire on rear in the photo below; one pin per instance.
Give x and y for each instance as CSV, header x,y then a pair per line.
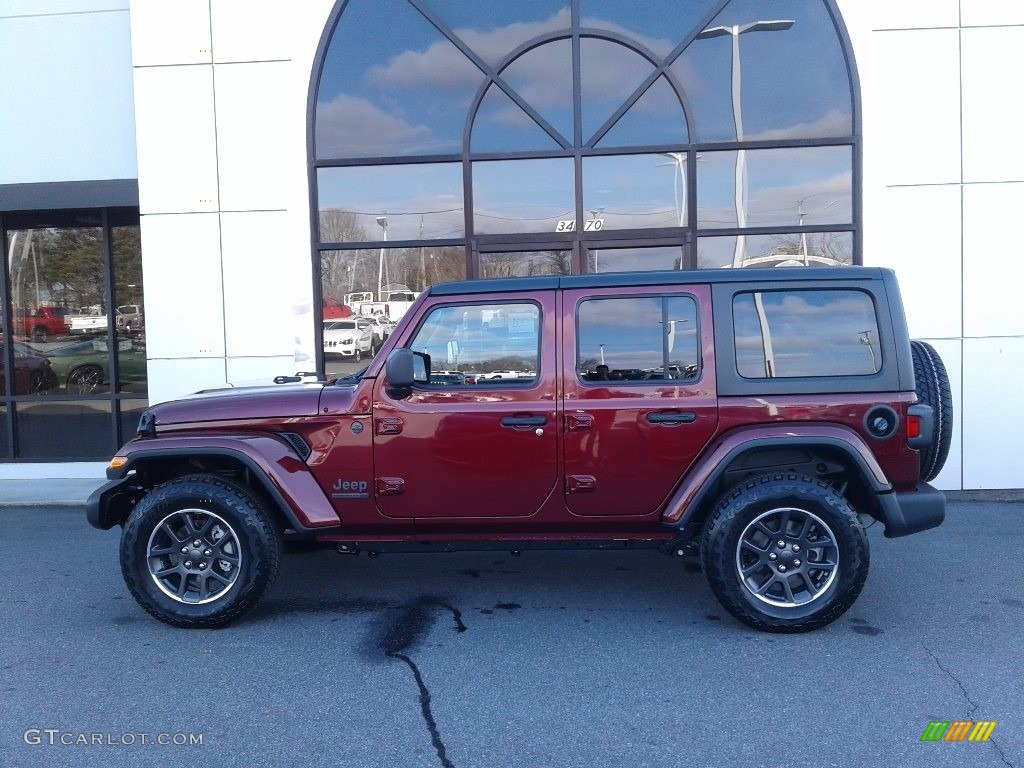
x,y
932,385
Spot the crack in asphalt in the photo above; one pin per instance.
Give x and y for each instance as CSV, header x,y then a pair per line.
x,y
409,627
973,704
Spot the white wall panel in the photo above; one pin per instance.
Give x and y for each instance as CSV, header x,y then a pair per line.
x,y
176,139
951,352
66,98
260,135
916,231
975,13
253,371
994,260
175,32
261,265
182,280
912,107
262,30
53,7
993,420
901,14
992,109
173,379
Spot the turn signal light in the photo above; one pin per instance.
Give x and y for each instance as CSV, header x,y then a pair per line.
x,y
913,426
117,462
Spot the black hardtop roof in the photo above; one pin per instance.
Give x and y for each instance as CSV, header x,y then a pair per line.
x,y
773,276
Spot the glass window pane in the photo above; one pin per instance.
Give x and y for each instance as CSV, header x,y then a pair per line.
x,y
609,73
683,338
636,259
64,429
815,249
652,25
628,339
502,126
524,196
494,30
526,263
485,342
378,282
793,82
391,85
798,186
656,118
60,310
636,191
5,444
543,78
805,333
130,327
130,413
390,202
620,339
33,373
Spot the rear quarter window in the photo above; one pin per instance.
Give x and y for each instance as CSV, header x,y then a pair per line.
x,y
800,333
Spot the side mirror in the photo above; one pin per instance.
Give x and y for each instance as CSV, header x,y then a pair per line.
x,y
401,371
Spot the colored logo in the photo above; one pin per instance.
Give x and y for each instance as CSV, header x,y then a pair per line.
x,y
958,730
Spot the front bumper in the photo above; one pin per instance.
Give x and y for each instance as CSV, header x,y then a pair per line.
x,y
909,512
111,503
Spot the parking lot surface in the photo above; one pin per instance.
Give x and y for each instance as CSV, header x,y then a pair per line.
x,y
557,659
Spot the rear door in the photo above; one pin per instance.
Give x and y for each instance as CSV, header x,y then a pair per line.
x,y
639,395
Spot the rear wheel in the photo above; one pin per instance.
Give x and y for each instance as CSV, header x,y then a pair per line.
x,y
40,334
199,551
933,389
785,553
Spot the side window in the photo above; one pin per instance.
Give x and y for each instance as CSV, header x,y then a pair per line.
x,y
783,334
473,344
637,339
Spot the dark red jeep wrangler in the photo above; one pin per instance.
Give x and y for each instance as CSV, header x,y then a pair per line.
x,y
758,418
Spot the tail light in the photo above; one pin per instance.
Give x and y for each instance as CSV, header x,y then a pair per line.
x,y
920,425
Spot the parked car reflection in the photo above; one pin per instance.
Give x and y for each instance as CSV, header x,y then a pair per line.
x,y
83,368
33,374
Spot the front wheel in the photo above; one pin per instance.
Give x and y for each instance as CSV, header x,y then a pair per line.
x,y
199,551
785,553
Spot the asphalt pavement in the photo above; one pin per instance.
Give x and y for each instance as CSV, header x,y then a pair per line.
x,y
557,659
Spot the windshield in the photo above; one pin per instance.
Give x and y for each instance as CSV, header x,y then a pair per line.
x,y
344,325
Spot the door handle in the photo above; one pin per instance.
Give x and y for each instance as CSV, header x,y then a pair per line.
x,y
524,421
683,417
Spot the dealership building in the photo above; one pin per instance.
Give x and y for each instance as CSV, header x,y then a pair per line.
x,y
190,188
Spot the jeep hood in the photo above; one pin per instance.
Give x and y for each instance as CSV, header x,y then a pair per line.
x,y
242,403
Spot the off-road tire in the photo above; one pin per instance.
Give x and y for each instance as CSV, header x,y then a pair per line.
x,y
750,501
933,389
258,537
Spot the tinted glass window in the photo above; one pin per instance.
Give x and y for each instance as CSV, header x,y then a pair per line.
x,y
391,85
784,187
524,196
813,249
525,263
805,333
484,342
794,82
391,202
635,191
637,339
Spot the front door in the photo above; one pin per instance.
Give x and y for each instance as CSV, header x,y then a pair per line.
x,y
640,400
477,437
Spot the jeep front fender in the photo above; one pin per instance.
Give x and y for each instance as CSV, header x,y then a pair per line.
x,y
703,476
274,464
